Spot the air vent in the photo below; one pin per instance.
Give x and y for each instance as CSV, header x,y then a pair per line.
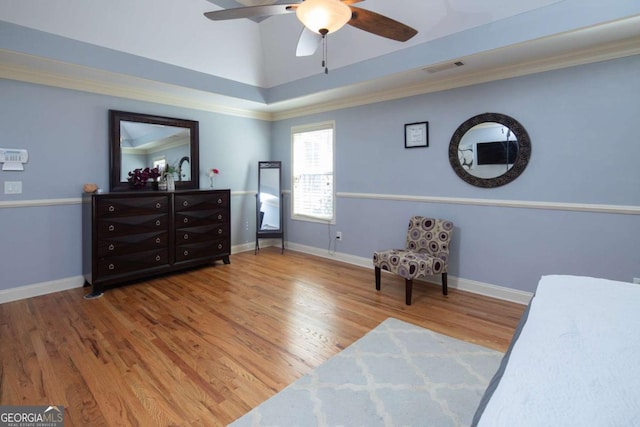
x,y
442,67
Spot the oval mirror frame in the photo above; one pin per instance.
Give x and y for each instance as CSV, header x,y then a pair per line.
x,y
115,153
519,165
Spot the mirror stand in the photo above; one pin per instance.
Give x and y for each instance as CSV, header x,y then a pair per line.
x,y
269,212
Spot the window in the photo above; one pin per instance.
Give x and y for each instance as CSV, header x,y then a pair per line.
x,y
313,184
160,163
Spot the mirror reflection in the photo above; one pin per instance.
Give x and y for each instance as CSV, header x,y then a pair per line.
x,y
488,150
269,203
139,141
269,199
153,145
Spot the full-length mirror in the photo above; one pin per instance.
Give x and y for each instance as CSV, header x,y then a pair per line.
x,y
138,141
489,150
269,202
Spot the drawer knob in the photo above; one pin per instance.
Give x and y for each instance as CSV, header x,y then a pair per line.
x,y
158,222
186,237
112,228
158,240
185,203
219,230
220,216
112,208
111,247
157,257
219,201
158,205
219,245
112,267
186,220
186,253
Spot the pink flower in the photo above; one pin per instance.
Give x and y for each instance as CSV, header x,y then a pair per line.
x,y
213,172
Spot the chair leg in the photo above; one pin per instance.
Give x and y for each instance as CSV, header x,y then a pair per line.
x,y
378,278
445,289
409,287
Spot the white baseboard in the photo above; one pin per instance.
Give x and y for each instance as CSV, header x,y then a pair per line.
x,y
473,286
245,247
43,288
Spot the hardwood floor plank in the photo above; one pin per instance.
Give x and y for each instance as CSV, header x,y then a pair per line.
x,y
205,346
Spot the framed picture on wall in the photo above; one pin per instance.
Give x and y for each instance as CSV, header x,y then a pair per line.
x,y
416,135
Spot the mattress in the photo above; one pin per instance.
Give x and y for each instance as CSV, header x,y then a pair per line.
x,y
574,360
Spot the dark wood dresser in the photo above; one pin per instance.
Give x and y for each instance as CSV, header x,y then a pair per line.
x,y
134,235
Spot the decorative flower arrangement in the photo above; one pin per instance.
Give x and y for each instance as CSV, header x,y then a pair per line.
x,y
168,170
212,174
138,177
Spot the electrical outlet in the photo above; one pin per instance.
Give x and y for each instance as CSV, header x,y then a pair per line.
x,y
339,235
636,280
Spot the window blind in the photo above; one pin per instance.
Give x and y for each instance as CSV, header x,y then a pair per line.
x,y
313,195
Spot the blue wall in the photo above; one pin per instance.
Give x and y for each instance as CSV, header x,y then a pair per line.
x,y
66,134
581,121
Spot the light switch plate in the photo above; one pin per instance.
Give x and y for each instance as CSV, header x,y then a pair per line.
x,y
13,187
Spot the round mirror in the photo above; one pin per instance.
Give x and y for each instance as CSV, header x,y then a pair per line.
x,y
489,150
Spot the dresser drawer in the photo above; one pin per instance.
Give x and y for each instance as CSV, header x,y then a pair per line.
x,y
199,234
111,266
130,243
110,227
186,252
120,206
203,201
194,218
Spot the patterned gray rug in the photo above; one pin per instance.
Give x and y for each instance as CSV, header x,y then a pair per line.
x,y
398,374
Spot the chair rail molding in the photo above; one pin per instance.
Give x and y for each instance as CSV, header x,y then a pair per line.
x,y
524,204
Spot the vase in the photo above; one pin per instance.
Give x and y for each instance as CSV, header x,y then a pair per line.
x,y
211,182
162,185
171,183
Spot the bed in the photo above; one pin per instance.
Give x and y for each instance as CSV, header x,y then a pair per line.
x,y
574,359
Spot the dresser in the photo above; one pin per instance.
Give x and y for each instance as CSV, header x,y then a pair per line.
x,y
135,235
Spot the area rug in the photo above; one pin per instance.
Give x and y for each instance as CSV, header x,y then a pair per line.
x,y
398,374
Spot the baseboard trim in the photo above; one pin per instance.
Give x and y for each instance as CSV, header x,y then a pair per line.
x,y
473,286
245,247
38,289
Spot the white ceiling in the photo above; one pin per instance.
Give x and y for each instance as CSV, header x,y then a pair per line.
x,y
494,39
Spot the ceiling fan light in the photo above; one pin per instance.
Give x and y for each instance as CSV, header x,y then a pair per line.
x,y
330,15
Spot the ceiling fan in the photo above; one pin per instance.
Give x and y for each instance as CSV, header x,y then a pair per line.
x,y
321,17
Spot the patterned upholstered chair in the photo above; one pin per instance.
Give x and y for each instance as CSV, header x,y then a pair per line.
x,y
426,253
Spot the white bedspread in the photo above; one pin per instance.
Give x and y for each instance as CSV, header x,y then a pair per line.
x,y
577,360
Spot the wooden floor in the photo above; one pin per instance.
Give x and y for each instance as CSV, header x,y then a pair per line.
x,y
205,346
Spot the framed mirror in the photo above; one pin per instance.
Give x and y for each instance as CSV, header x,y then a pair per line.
x,y
138,141
489,150
269,219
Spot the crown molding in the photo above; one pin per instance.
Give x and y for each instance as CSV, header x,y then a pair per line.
x,y
37,70
601,53
48,72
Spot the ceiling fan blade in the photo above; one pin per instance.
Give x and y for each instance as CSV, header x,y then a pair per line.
x,y
250,12
308,42
351,1
380,25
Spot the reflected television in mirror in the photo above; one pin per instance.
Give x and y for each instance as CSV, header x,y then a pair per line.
x,y
489,150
